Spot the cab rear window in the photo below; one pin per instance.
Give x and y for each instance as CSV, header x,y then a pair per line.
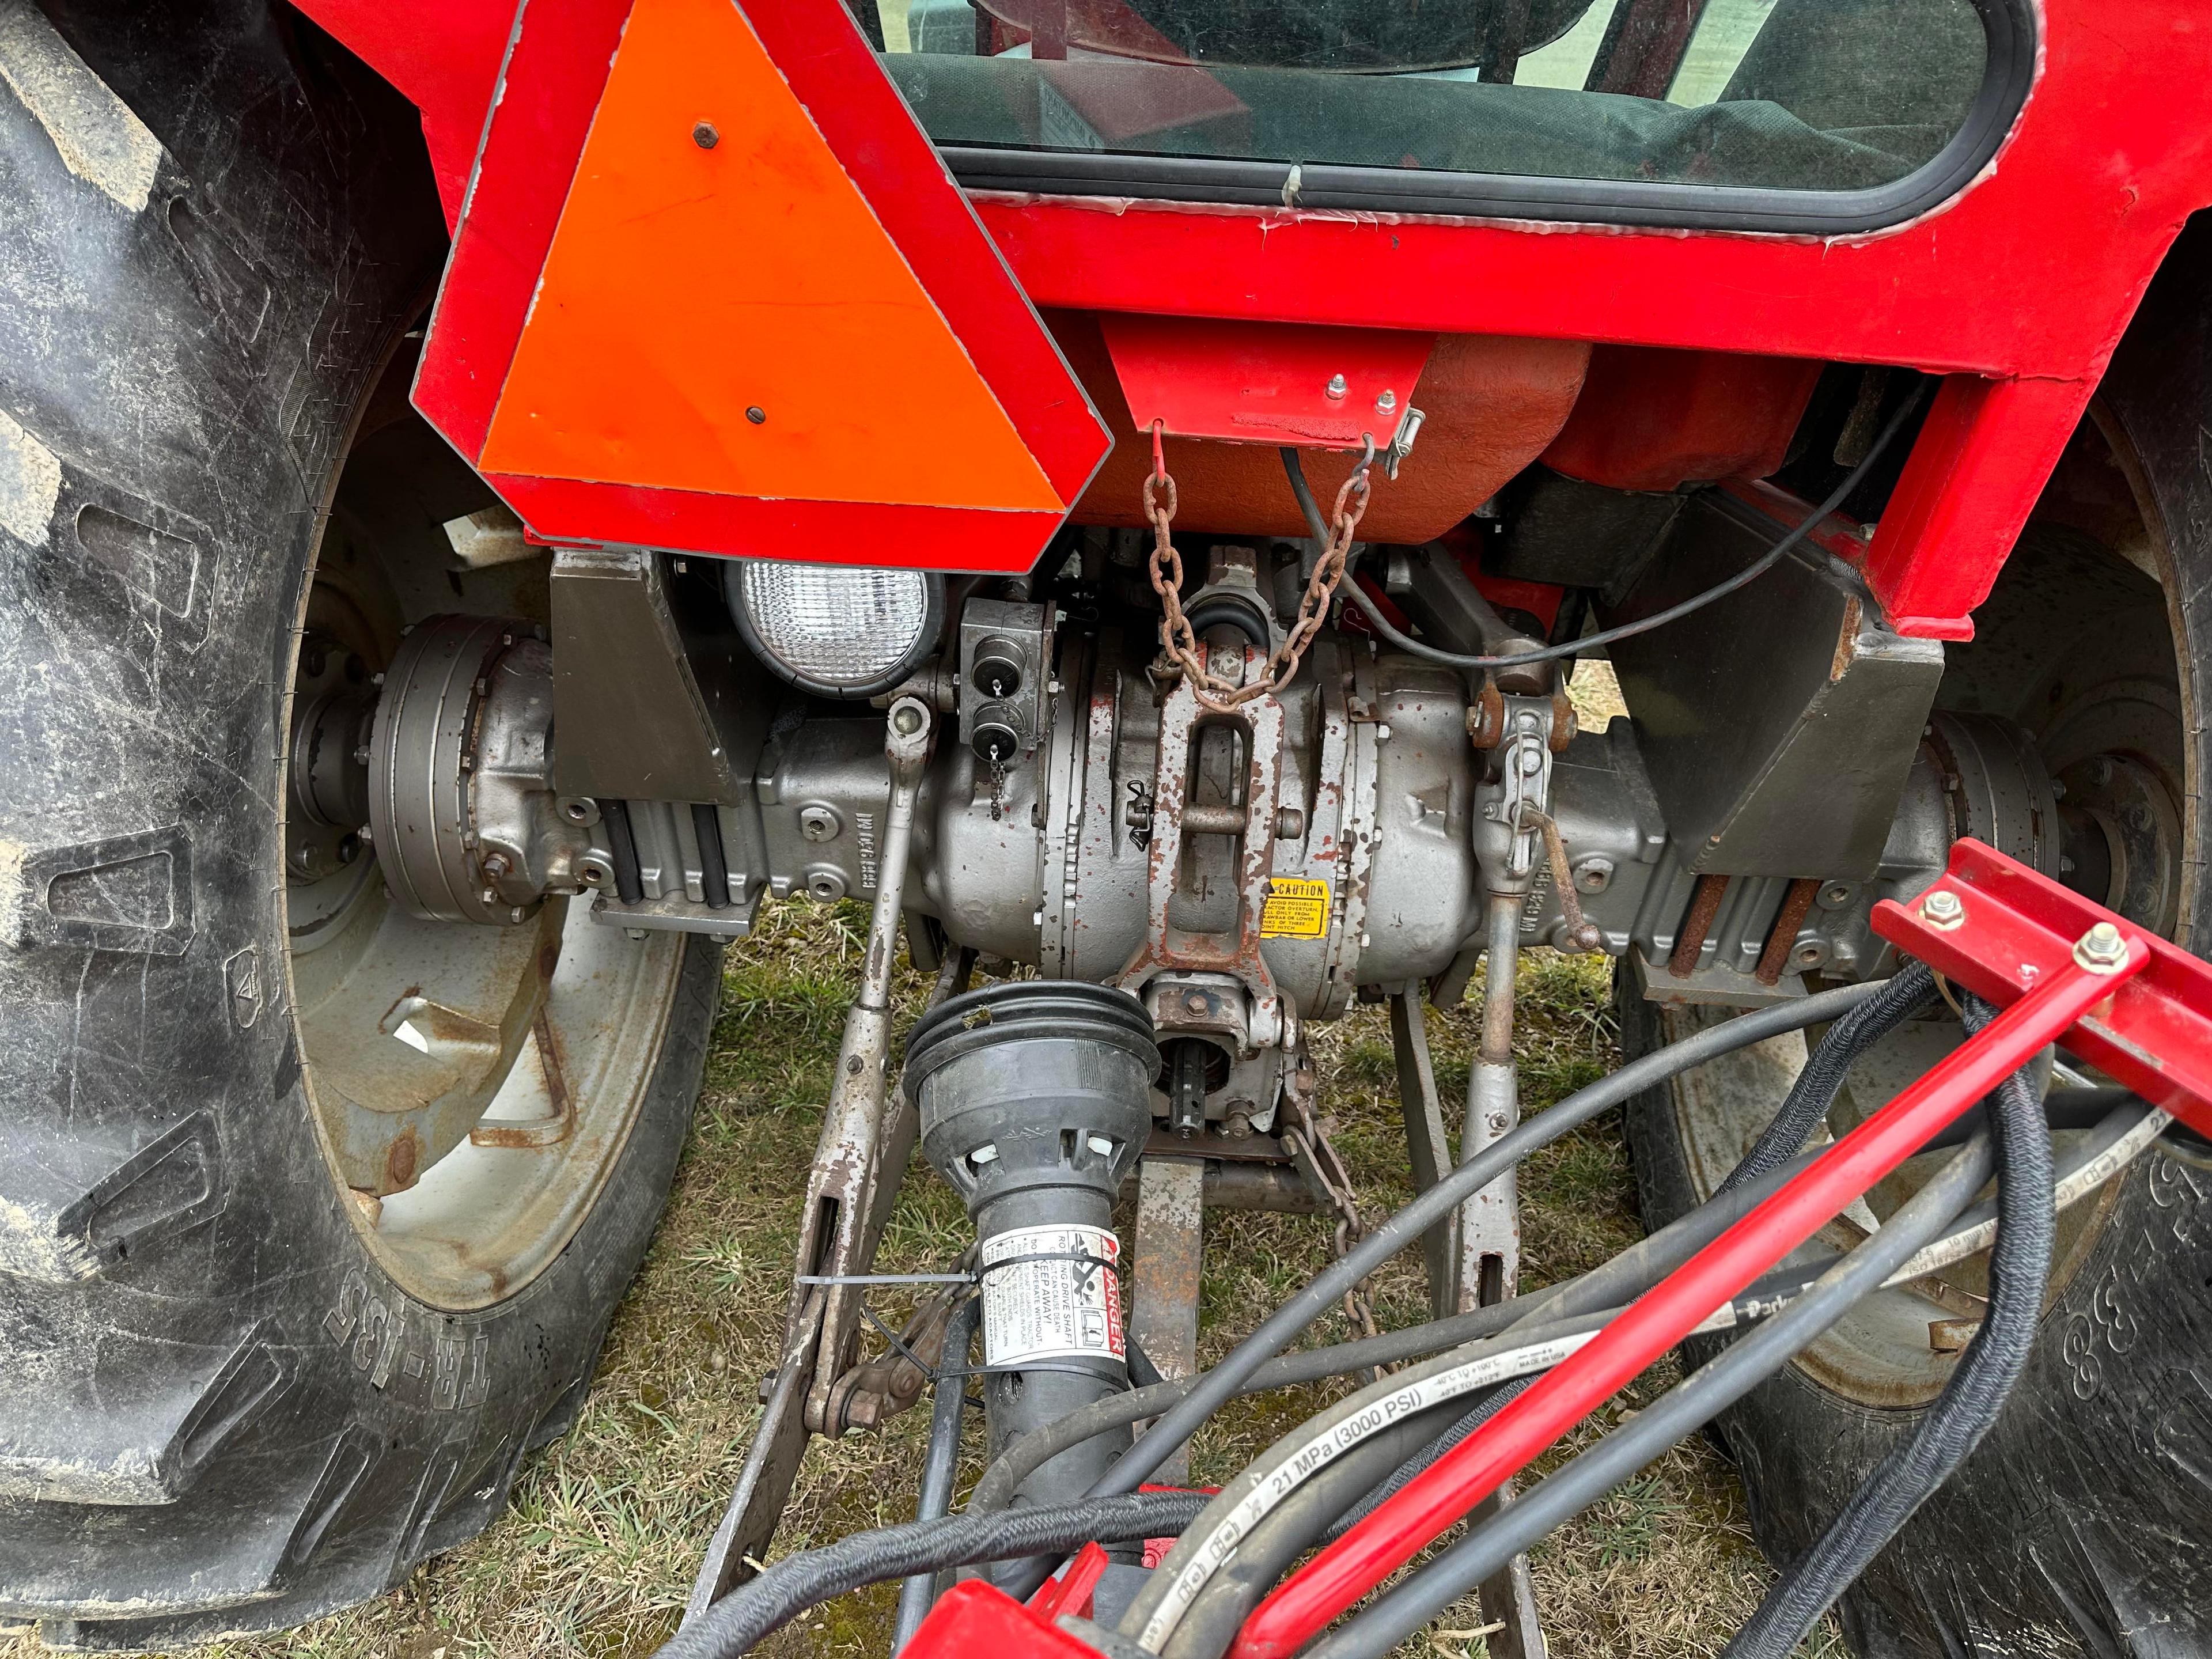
x,y
1762,112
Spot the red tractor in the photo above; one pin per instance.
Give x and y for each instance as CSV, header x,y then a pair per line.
x,y
490,493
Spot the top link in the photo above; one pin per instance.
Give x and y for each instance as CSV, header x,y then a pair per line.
x,y
1177,640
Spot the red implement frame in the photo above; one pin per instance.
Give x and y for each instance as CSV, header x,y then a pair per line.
x,y
2139,1009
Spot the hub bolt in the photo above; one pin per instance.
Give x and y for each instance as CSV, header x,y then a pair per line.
x,y
1943,909
1338,386
2102,949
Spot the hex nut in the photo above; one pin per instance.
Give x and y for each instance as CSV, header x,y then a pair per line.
x,y
1943,909
2102,949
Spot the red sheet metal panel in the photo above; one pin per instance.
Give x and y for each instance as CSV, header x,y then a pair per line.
x,y
1265,383
713,291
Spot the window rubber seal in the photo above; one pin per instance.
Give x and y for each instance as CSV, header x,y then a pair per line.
x,y
2009,27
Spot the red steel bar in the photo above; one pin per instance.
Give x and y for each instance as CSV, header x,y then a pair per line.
x,y
1400,1529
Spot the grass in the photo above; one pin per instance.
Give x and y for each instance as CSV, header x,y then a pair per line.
x,y
596,1555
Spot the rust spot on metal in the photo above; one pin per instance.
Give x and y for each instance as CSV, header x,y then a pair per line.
x,y
548,958
1795,906
399,1162
1704,905
552,1128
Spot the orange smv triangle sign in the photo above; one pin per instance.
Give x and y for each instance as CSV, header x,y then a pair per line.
x,y
760,319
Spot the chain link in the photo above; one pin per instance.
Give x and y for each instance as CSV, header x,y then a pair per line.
x,y
1180,646
1310,1143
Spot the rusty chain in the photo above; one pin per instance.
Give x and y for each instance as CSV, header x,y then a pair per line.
x,y
1177,643
1310,1143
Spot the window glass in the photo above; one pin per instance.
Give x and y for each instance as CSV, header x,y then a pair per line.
x,y
1788,94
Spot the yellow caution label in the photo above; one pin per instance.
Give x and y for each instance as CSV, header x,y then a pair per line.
x,y
1294,909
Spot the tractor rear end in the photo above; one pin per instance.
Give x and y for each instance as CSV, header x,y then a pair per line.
x,y
496,496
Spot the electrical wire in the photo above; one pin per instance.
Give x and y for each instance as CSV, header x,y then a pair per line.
x,y
735,1624
1968,1407
1722,1382
1720,590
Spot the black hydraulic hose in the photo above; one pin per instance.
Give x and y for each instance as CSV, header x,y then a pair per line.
x,y
1618,1280
1032,1451
630,882
941,1463
1727,1378
1223,1382
735,1624
713,867
1806,1106
1751,573
2019,1266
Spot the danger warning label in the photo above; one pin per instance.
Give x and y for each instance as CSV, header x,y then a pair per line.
x,y
1057,1298
1295,907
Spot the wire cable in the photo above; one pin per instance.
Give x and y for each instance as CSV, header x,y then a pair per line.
x,y
1751,573
1727,1378
2019,1267
735,1624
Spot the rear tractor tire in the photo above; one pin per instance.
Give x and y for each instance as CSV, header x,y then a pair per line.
x,y
313,1215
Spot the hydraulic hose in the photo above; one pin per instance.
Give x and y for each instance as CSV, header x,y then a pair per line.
x,y
2120,1129
1751,573
1681,1410
2019,1266
1806,1106
941,1463
735,1624
1353,1566
1264,1554
1222,1383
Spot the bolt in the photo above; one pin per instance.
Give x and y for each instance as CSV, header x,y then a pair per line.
x,y
360,756
1809,954
907,718
1531,762
1387,402
1835,894
1943,909
494,866
1195,1002
704,136
987,1153
1237,1126
1100,1145
819,823
575,811
2102,949
757,415
1338,386
491,896
1594,875
594,873
1497,1123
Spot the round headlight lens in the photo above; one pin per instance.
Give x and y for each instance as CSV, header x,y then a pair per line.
x,y
837,631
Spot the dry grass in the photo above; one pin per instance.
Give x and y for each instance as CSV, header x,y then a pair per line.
x,y
597,1553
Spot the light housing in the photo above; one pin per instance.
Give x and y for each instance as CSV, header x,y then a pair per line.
x,y
837,631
